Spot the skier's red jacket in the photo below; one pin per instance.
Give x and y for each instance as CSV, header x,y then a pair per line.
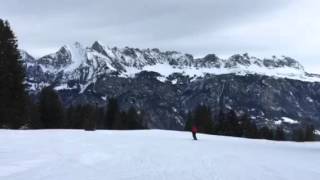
x,y
194,129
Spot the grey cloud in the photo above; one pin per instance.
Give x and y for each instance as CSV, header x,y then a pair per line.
x,y
193,26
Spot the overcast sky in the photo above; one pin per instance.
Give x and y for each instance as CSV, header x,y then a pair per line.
x,y
260,27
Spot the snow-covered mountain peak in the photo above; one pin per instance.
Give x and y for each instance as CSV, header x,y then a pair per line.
x,y
99,47
270,63
25,56
64,49
100,59
211,58
56,60
284,61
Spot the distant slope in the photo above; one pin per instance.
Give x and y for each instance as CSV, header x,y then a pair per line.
x,y
151,154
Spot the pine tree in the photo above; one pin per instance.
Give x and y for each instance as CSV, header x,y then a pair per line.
x,y
253,131
89,118
77,118
219,123
265,133
69,117
189,122
228,124
12,88
203,120
134,119
112,113
248,127
232,124
34,121
279,134
51,109
309,133
141,119
121,122
298,135
100,118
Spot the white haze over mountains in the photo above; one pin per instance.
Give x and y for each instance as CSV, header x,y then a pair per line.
x,y
225,27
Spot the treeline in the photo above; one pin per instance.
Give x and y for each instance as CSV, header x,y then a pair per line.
x,y
229,124
49,113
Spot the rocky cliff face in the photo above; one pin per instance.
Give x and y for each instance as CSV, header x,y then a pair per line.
x,y
165,85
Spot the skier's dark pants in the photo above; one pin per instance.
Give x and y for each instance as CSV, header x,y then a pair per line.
x,y
194,136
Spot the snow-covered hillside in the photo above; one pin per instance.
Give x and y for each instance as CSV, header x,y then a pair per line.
x,y
151,154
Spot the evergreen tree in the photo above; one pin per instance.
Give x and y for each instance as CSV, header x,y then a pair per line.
x,y
77,118
121,122
219,123
34,121
134,120
12,88
279,134
228,124
51,109
309,133
232,127
298,135
112,113
69,117
265,133
141,119
189,122
249,128
203,120
100,118
89,118
253,131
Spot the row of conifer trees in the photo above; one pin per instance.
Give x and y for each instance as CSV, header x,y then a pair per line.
x,y
49,113
227,123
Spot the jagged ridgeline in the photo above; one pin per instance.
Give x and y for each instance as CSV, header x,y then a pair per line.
x,y
167,85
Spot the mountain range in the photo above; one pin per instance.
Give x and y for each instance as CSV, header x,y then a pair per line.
x,y
165,85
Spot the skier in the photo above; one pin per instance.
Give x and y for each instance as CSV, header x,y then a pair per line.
x,y
194,132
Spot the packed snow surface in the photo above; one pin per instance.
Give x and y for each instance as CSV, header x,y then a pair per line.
x,y
151,154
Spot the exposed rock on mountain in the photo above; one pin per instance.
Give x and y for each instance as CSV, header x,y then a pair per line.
x,y
165,85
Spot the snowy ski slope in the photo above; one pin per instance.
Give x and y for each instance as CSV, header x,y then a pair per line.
x,y
151,155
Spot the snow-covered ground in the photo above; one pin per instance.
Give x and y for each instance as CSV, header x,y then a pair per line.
x,y
151,155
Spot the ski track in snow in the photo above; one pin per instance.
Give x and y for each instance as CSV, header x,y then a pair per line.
x,y
151,154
